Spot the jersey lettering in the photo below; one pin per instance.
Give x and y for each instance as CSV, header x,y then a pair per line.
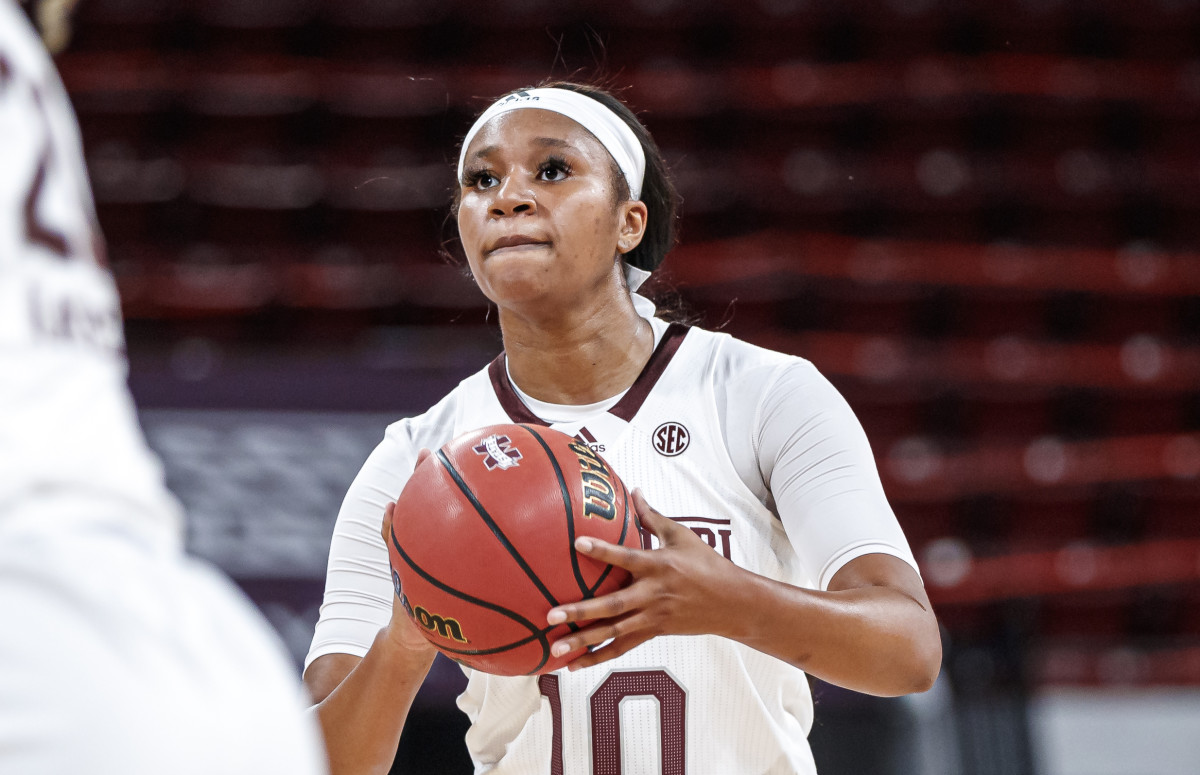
x,y
586,437
58,308
671,439
58,316
717,533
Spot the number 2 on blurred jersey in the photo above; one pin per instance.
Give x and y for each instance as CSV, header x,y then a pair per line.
x,y
37,231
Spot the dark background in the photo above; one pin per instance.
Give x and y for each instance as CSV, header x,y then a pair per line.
x,y
980,219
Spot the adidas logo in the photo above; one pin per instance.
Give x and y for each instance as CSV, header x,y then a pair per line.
x,y
586,437
521,96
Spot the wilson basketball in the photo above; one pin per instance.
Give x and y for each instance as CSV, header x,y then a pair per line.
x,y
483,543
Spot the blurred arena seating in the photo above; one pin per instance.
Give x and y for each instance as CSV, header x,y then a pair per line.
x,y
980,218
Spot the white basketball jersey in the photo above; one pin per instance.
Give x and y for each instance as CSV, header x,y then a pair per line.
x,y
751,449
66,420
700,704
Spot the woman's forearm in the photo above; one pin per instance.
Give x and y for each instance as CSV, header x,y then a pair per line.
x,y
881,640
362,718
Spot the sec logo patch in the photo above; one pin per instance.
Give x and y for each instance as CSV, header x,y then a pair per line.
x,y
671,438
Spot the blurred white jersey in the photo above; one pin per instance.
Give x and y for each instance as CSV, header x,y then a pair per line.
x,y
66,419
121,656
118,654
753,451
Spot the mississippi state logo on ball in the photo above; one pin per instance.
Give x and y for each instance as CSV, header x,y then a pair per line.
x,y
498,452
671,438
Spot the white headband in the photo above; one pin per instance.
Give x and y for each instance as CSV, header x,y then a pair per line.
x,y
607,127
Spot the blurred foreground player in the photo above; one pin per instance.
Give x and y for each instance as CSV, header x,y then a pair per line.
x,y
781,555
119,655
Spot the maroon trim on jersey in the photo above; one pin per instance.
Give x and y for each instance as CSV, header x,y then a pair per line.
x,y
632,401
626,408
510,402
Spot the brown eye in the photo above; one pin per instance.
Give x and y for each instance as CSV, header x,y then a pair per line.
x,y
554,169
480,179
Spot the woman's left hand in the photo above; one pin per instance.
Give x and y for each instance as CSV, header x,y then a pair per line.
x,y
677,589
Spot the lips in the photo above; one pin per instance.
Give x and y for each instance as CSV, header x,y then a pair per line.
x,y
515,241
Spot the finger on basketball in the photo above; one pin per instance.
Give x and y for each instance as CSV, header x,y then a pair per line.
x,y
656,523
610,651
621,556
599,632
603,607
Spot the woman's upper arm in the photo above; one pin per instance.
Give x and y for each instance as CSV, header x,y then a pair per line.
x,y
358,585
821,471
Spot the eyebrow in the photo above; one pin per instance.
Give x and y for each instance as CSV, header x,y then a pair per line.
x,y
547,142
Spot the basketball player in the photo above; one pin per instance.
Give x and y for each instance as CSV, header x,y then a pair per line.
x,y
780,555
118,654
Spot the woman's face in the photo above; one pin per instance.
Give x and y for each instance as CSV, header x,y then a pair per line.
x,y
538,215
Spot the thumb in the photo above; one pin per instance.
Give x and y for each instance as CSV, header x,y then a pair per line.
x,y
386,532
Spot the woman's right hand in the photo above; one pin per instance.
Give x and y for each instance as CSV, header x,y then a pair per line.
x,y
402,630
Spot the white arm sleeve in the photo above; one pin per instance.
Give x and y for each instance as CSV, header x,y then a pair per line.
x,y
358,584
815,458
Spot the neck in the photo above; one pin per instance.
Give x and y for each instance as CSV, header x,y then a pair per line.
x,y
579,357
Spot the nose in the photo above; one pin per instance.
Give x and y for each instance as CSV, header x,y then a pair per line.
x,y
513,197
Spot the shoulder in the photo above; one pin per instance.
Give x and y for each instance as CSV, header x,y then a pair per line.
x,y
445,419
738,362
762,391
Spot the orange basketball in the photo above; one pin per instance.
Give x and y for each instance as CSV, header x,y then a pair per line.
x,y
483,543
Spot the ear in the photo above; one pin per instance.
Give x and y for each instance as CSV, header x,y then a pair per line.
x,y
632,217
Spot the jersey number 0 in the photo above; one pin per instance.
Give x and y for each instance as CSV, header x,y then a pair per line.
x,y
605,707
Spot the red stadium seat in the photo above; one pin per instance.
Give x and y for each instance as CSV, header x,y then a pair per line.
x,y
1049,522
1083,617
